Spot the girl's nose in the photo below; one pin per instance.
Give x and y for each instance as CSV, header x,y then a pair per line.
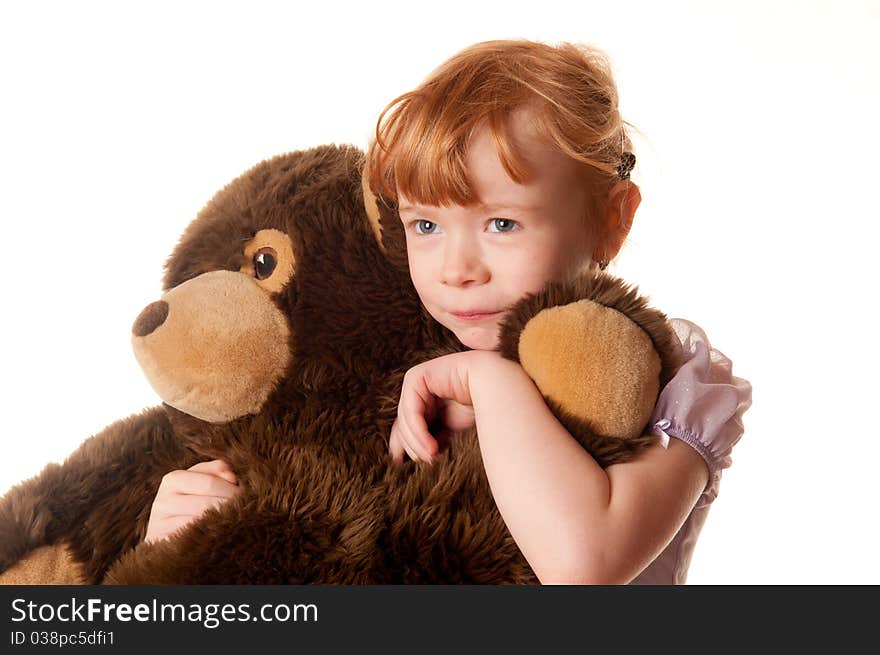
x,y
463,265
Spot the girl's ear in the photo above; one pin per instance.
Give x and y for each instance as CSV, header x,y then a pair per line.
x,y
623,201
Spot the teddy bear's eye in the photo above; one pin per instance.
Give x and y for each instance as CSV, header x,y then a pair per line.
x,y
265,260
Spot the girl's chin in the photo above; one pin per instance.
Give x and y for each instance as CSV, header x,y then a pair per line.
x,y
479,339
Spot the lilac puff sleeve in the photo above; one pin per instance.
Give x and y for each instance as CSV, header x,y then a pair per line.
x,y
703,404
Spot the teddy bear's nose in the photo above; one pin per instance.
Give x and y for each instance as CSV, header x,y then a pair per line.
x,y
152,317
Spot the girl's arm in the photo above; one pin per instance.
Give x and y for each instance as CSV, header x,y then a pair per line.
x,y
573,521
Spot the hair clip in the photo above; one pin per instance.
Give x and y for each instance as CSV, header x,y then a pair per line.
x,y
627,162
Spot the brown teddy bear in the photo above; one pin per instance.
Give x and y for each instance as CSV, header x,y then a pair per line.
x,y
279,345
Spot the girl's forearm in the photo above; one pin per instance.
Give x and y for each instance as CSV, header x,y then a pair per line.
x,y
552,494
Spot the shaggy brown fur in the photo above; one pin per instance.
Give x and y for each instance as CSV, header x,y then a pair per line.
x,y
321,501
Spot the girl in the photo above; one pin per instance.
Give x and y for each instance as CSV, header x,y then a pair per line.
x,y
510,167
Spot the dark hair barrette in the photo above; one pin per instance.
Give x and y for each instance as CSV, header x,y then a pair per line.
x,y
627,162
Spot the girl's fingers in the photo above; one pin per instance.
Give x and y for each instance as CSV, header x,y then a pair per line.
x,y
409,451
456,416
395,446
399,443
199,484
167,527
215,467
418,447
396,451
183,496
414,427
409,444
187,505
399,446
229,476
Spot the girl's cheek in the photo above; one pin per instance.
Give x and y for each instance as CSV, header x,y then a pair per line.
x,y
422,258
421,278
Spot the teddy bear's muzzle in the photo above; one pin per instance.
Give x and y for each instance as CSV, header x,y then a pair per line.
x,y
214,346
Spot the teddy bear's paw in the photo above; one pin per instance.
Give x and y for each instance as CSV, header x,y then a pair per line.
x,y
593,363
46,565
597,351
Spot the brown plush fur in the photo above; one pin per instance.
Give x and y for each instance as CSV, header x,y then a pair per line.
x,y
321,501
99,500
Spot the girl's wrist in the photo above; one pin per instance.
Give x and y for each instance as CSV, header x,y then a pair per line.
x,y
488,371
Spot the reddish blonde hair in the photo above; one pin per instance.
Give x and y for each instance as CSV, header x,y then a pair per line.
x,y
422,136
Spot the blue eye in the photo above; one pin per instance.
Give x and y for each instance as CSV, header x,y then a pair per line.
x,y
425,227
503,225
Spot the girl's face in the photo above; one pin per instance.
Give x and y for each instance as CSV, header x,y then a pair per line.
x,y
470,264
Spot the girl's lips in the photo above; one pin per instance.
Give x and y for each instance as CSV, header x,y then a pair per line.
x,y
474,316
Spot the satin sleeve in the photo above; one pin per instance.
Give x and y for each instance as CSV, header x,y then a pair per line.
x,y
703,404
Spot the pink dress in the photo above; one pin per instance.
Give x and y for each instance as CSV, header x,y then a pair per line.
x,y
703,406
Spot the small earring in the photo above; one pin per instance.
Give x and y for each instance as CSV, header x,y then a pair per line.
x,y
603,264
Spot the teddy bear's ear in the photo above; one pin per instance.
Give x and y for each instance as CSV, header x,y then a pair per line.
x,y
385,224
372,207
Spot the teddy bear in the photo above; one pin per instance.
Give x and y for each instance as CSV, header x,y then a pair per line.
x,y
287,323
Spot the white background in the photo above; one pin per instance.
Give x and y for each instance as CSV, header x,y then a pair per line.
x,y
757,162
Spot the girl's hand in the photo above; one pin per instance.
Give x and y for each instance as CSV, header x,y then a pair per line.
x,y
436,389
184,496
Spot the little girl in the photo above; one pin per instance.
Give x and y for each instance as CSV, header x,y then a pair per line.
x,y
510,167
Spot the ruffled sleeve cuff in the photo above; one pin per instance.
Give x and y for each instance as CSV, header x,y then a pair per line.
x,y
703,404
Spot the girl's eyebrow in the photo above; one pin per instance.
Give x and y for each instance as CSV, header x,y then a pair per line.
x,y
414,206
496,206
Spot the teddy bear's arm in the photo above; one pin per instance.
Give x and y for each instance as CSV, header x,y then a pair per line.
x,y
85,512
599,355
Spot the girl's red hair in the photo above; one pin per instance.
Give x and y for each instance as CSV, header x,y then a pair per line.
x,y
422,136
